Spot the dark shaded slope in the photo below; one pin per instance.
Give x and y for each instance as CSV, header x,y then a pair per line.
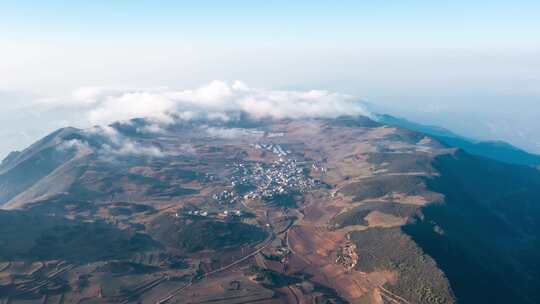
x,y
198,233
35,235
17,157
28,172
496,150
485,237
403,123
20,170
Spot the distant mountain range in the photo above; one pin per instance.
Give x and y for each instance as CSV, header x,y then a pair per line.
x,y
497,150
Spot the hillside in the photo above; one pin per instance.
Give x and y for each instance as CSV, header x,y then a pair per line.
x,y
344,210
496,150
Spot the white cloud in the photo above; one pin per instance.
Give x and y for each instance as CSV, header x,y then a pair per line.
x,y
151,129
218,100
132,105
118,145
214,100
74,144
130,148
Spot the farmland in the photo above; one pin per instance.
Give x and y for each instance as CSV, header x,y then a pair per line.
x,y
287,211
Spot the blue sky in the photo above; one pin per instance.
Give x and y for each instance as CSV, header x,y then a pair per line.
x,y
382,23
463,64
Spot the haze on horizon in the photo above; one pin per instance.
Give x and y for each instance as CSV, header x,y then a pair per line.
x,y
470,67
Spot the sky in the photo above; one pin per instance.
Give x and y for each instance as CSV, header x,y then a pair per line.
x,y
471,66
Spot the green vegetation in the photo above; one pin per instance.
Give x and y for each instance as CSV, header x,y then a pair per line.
x,y
19,230
419,279
125,267
285,200
38,236
271,278
350,218
81,192
123,208
490,229
211,234
88,242
378,186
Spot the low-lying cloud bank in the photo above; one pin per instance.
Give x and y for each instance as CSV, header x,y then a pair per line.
x,y
212,101
109,144
107,109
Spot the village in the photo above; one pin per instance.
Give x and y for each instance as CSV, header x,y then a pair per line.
x,y
259,181
283,176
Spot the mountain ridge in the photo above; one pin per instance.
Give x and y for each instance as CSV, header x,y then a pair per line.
x,y
494,149
323,210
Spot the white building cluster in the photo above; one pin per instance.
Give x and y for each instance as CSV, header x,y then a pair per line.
x,y
227,197
284,176
276,149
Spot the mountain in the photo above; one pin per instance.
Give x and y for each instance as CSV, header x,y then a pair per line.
x,y
311,210
20,170
496,150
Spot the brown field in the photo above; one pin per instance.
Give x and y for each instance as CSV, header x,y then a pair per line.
x,y
154,249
